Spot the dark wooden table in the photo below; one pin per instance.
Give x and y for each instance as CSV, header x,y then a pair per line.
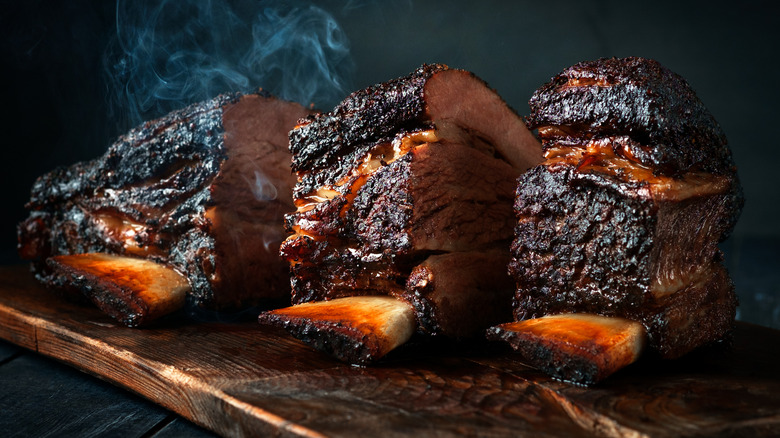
x,y
40,396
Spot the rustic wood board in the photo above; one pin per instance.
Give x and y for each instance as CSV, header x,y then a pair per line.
x,y
240,379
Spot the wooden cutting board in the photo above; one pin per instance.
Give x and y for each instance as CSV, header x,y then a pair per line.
x,y
241,379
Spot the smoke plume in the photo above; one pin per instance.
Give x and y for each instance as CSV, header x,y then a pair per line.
x,y
183,51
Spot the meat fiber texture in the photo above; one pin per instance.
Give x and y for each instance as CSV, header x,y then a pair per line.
x,y
624,216
411,175
202,190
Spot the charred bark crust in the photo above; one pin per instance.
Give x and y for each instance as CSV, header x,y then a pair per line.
x,y
657,108
581,242
366,117
165,191
196,132
588,243
624,217
382,210
364,242
164,165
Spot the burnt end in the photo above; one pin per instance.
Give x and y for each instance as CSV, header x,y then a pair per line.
x,y
364,118
581,242
638,97
202,190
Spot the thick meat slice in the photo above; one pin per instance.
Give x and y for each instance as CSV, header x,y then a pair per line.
x,y
406,189
454,295
624,216
202,190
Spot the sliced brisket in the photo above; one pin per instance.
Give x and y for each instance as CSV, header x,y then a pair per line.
x,y
397,184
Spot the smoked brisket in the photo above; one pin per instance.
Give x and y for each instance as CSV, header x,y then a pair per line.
x,y
202,190
406,189
624,216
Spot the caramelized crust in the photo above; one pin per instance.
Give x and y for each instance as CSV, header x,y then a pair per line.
x,y
672,131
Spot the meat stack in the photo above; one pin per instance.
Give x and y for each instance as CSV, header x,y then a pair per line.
x,y
406,189
623,217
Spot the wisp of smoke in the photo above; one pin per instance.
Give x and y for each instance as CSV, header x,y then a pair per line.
x,y
183,51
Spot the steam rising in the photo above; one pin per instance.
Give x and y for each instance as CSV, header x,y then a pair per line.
x,y
262,187
184,51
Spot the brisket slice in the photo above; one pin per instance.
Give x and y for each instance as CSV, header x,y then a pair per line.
x,y
202,190
624,216
403,179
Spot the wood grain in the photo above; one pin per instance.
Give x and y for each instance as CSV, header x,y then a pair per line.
x,y
241,379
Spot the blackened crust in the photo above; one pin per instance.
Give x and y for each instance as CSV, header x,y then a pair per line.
x,y
589,243
323,143
639,98
202,190
581,242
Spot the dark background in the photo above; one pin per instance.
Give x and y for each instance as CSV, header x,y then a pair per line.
x,y
61,105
